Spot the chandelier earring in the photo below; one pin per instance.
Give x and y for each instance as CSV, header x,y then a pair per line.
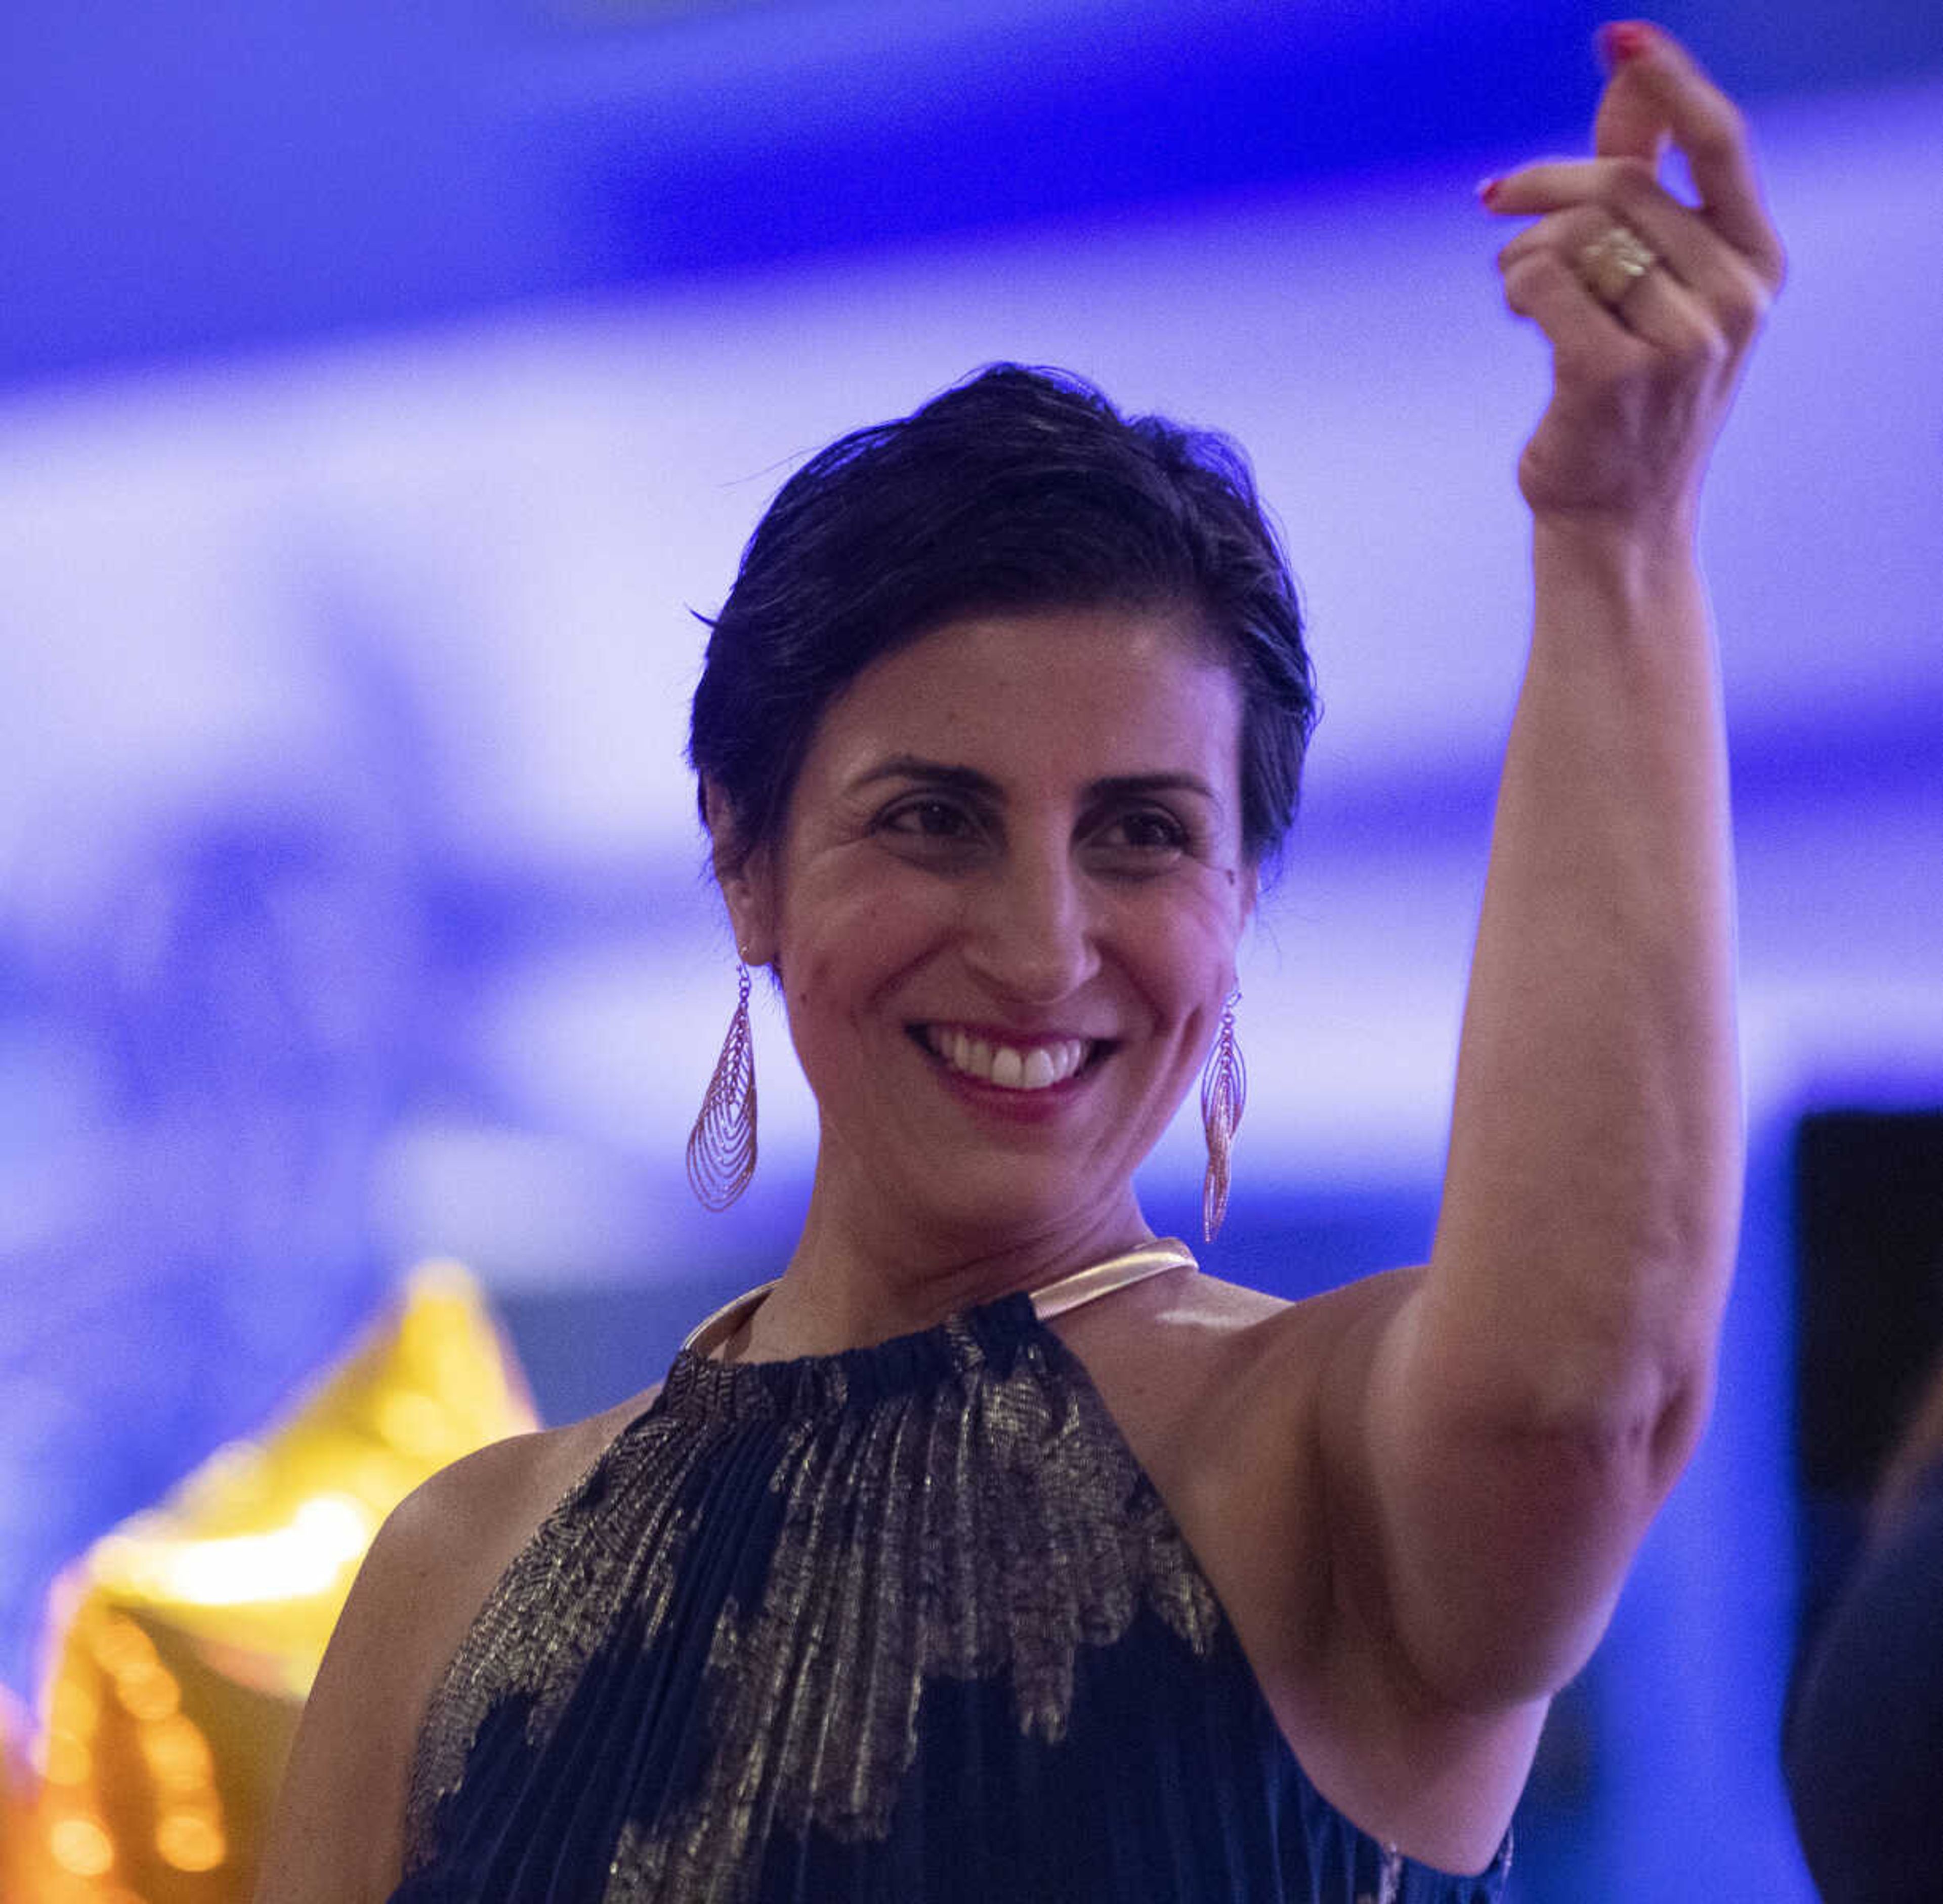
x,y
1224,1093
722,1147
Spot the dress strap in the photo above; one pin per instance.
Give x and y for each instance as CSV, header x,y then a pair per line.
x,y
1069,1293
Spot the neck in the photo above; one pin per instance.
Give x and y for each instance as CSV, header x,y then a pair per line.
x,y
850,1283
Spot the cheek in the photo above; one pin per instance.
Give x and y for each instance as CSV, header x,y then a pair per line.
x,y
1185,956
842,946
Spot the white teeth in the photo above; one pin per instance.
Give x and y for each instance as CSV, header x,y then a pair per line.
x,y
1031,1068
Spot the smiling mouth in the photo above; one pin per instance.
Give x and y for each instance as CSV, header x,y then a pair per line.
x,y
1035,1065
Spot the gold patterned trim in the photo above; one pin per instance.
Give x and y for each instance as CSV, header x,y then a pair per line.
x,y
988,1523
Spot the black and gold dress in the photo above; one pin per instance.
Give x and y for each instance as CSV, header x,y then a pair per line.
x,y
903,1625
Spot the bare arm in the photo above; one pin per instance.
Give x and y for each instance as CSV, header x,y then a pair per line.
x,y
1522,1413
337,1835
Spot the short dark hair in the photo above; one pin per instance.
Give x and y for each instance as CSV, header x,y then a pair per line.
x,y
1017,490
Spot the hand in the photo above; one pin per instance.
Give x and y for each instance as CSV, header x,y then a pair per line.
x,y
1642,377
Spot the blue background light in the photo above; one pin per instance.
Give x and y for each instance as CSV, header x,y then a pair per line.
x,y
382,386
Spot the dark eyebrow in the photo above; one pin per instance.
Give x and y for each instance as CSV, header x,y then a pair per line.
x,y
936,773
1135,786
969,780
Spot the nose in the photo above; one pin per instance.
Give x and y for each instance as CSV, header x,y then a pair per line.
x,y
1030,927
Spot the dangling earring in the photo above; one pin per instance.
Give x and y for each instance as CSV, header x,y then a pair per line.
x,y
1224,1093
722,1147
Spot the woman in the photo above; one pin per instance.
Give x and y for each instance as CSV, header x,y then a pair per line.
x,y
994,1552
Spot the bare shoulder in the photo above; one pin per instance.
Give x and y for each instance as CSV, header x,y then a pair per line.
x,y
1234,1404
1224,1395
1184,1361
338,1830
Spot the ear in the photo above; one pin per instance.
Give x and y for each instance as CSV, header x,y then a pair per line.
x,y
747,880
1249,880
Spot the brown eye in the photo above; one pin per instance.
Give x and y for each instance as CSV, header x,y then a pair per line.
x,y
1148,829
928,819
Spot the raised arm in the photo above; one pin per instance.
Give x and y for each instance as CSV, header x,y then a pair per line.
x,y
1523,1412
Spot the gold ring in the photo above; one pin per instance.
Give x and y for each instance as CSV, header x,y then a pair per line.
x,y
1614,262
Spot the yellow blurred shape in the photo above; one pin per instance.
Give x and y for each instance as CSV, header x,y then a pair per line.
x,y
323,1539
151,1698
74,1709
178,1755
121,1649
80,1846
412,1421
187,1638
190,1842
69,1761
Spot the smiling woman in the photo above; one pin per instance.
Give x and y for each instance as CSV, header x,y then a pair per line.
x,y
1004,911
992,1550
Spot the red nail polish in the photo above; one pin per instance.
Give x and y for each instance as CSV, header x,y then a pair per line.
x,y
1622,40
1487,190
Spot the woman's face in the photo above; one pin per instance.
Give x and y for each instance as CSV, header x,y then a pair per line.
x,y
1005,908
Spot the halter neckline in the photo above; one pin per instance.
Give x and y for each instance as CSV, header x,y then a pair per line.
x,y
1059,1298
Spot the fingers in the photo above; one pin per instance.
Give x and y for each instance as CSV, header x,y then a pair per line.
x,y
1723,252
1630,122
1648,302
1601,192
1541,287
1657,92
1545,279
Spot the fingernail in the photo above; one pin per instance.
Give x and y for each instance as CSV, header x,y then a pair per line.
x,y
1621,39
1487,190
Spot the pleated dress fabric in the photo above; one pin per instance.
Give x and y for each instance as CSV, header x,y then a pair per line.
x,y
904,1624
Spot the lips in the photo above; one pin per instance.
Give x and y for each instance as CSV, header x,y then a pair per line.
x,y
1015,1064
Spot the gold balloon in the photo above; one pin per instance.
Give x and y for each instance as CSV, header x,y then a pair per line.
x,y
188,1638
